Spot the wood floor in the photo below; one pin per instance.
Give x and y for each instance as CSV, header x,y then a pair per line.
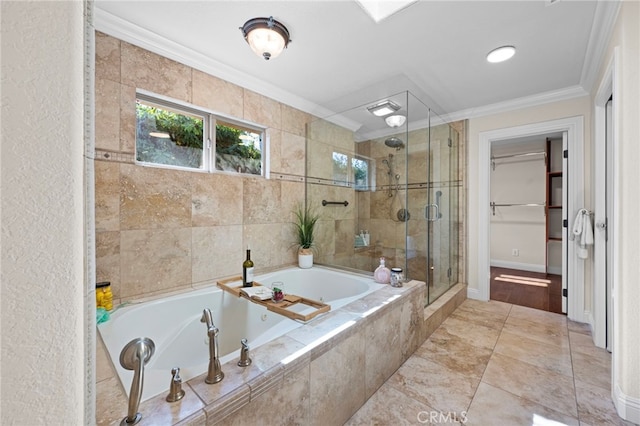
x,y
524,288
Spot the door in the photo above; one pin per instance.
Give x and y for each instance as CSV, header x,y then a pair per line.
x,y
441,209
565,221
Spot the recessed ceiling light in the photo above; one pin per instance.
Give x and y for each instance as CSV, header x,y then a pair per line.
x,y
383,108
501,54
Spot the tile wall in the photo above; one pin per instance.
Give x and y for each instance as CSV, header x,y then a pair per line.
x,y
160,230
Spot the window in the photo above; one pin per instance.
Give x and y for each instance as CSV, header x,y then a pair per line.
x,y
172,135
356,171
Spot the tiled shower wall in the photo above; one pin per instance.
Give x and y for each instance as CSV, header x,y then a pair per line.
x,y
159,230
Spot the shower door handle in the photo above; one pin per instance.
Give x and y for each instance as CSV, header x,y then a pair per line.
x,y
427,211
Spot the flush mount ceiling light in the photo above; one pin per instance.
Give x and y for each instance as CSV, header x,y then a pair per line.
x,y
383,108
395,120
266,36
501,54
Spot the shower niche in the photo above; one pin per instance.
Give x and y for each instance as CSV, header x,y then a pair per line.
x,y
384,179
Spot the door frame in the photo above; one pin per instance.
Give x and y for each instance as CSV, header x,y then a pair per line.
x,y
598,320
574,268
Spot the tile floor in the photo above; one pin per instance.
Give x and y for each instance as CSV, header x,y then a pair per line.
x,y
494,363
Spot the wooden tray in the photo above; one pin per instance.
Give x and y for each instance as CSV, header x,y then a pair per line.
x,y
279,307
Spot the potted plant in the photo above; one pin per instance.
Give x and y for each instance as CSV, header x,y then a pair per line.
x,y
304,225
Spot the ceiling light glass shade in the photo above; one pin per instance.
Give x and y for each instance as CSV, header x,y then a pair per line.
x,y
383,108
396,120
266,36
501,54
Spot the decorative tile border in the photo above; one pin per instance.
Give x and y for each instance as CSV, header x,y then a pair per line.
x,y
117,157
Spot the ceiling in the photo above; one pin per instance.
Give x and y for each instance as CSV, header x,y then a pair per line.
x,y
339,58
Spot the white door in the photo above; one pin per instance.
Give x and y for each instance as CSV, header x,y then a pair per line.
x,y
603,241
565,221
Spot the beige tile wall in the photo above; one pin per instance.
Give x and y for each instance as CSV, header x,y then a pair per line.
x,y
159,230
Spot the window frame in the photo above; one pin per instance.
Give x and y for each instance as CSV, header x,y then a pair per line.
x,y
210,119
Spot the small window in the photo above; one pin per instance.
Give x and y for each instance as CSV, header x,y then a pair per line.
x,y
169,137
172,135
361,173
340,169
238,149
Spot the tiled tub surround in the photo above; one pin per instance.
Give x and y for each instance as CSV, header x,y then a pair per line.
x,y
320,373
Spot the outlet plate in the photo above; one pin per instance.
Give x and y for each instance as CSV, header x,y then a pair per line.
x,y
515,252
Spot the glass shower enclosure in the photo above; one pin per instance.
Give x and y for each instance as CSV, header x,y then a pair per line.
x,y
384,179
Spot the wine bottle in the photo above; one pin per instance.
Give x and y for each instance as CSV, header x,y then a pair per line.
x,y
247,271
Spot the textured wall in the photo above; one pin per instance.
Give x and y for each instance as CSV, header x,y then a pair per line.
x,y
159,230
43,338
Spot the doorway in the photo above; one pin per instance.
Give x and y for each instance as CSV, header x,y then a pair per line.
x,y
574,270
527,239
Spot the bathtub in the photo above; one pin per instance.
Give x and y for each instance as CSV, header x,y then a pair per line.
x,y
173,323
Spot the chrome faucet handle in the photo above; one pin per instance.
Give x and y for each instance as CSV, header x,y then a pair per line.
x,y
175,389
245,361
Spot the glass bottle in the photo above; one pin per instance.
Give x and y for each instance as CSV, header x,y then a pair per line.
x,y
382,274
247,271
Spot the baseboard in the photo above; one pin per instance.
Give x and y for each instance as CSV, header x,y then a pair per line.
x,y
555,270
628,408
531,267
474,293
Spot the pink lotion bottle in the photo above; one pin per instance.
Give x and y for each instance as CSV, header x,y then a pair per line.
x,y
382,274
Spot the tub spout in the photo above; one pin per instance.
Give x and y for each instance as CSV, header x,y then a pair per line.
x,y
214,373
134,356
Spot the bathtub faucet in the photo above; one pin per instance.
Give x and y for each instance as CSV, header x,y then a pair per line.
x,y
214,374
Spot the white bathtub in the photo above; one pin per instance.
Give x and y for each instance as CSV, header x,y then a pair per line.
x,y
180,338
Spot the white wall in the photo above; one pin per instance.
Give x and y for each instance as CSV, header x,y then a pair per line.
x,y
626,355
518,180
42,313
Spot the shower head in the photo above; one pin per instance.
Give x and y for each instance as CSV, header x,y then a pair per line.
x,y
394,142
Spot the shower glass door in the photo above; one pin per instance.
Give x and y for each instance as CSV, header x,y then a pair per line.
x,y
441,212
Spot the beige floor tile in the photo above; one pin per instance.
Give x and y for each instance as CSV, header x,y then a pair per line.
x,y
492,306
543,333
583,343
534,383
538,316
474,334
494,406
479,316
595,406
454,353
389,406
592,370
579,327
433,385
548,356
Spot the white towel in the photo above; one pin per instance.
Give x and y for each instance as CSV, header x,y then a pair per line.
x,y
582,228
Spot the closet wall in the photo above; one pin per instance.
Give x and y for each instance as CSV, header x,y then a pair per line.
x,y
518,233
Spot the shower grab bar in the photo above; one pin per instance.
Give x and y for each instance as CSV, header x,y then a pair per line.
x,y
526,154
493,205
326,203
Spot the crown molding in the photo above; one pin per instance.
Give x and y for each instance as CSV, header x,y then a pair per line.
x,y
518,103
601,29
126,31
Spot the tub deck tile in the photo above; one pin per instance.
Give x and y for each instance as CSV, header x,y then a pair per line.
x,y
325,332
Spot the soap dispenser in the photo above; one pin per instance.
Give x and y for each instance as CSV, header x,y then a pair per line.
x,y
382,274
